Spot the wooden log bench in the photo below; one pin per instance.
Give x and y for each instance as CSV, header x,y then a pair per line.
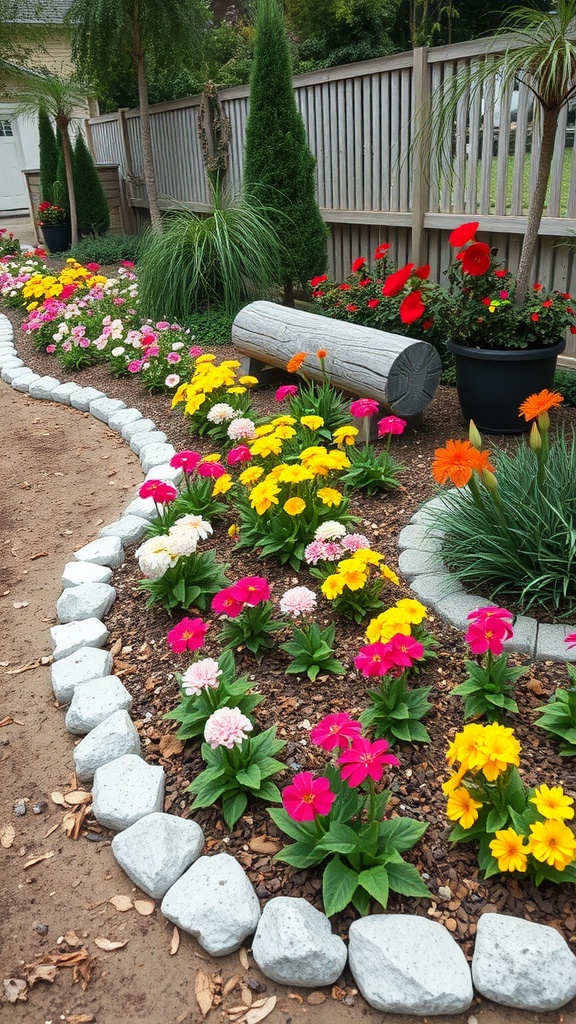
x,y
402,374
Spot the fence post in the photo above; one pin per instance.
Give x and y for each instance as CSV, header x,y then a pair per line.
x,y
420,153
127,167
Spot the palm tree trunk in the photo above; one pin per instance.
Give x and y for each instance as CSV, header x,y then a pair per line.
x,y
147,162
536,208
63,123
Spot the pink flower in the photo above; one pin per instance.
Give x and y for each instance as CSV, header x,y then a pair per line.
x,y
570,640
201,675
286,391
391,425
186,461
227,727
241,428
211,469
241,453
374,660
135,365
162,325
84,343
364,407
336,730
127,263
355,542
173,357
491,611
160,490
251,590
195,351
50,348
365,759
94,267
489,629
405,650
297,601
306,797
226,603
188,635
172,380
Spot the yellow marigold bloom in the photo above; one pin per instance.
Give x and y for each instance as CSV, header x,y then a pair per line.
x,y
497,749
509,850
414,611
553,843
250,476
248,381
265,446
31,306
389,574
312,451
312,422
332,586
316,464
237,390
354,576
453,781
264,428
283,421
294,506
337,460
222,484
233,531
213,457
193,404
464,745
330,496
294,474
462,807
385,626
263,496
345,435
209,357
274,473
230,364
284,431
553,802
368,557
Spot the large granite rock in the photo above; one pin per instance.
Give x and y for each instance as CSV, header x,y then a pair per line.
x,y
126,790
294,944
82,666
104,551
157,849
76,573
72,636
95,701
86,601
113,738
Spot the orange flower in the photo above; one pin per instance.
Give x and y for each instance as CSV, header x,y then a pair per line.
x,y
535,405
483,461
296,362
321,353
455,462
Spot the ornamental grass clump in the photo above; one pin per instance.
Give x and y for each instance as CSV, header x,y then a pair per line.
x,y
518,829
337,821
510,529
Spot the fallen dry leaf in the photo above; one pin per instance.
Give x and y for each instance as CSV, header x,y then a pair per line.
x,y
296,996
69,822
25,668
81,1018
121,903
7,836
116,648
243,957
535,686
170,746
144,907
246,996
231,984
71,939
38,860
58,798
15,990
41,554
108,945
42,972
174,942
264,844
7,720
257,1014
77,797
205,988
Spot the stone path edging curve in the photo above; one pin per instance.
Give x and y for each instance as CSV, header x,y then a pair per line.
x,y
293,942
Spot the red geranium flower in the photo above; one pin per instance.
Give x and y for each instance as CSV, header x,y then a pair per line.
x,y
412,307
465,233
476,259
396,281
358,264
381,251
373,303
423,272
318,280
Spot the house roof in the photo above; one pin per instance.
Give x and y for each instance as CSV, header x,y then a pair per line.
x,y
41,12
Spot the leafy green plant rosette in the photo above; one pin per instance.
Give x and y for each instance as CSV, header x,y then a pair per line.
x,y
311,647
206,686
558,716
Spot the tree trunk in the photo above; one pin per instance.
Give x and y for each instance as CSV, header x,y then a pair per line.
x,y
289,294
147,162
63,123
536,208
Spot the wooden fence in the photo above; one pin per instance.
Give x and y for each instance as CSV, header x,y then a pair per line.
x,y
376,180
114,191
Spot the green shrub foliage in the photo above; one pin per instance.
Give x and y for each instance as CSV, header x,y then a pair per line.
x,y
48,156
92,208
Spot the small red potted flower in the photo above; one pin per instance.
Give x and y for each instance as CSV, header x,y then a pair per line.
x,y
55,226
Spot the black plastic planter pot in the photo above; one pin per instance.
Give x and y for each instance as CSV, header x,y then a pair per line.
x,y
57,237
492,383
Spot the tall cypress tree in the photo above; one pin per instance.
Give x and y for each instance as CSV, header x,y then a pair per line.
x,y
93,211
48,155
278,166
60,187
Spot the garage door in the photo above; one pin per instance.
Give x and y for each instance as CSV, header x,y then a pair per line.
x,y
12,188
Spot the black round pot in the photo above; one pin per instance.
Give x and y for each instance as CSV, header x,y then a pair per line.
x,y
492,383
57,237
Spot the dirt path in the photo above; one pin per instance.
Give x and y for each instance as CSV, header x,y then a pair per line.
x,y
64,474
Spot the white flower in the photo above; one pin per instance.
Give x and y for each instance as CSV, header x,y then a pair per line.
x,y
172,380
241,428
297,601
154,558
177,345
118,351
220,412
182,541
193,522
330,530
200,675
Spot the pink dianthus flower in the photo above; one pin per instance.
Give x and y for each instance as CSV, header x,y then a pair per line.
x,y
201,675
297,601
227,727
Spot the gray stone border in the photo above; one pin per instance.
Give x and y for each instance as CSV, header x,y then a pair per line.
x,y
79,641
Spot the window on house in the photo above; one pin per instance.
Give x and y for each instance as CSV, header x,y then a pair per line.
x,y
5,129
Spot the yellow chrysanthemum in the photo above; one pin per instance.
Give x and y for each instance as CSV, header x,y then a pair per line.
x,y
313,451
209,357
464,745
553,843
312,422
462,807
284,431
222,484
194,403
283,421
263,429
332,586
213,457
265,446
414,611
330,496
354,575
263,496
337,460
367,556
236,390
345,435
389,574
294,506
509,850
552,802
294,474
497,749
453,781
251,476
248,381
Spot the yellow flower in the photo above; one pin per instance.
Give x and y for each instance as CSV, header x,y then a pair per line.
x,y
462,807
345,435
233,531
264,428
353,573
31,306
263,496
329,496
464,745
337,460
386,625
312,422
207,358
332,586
230,364
248,381
250,476
193,404
265,446
283,421
312,451
222,484
294,475
389,574
453,781
213,457
497,750
552,802
284,431
294,506
508,849
236,390
367,556
552,842
414,611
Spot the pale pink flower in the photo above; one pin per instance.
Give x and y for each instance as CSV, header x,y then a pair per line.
x,y
241,428
50,348
355,542
227,727
173,357
297,601
172,380
200,675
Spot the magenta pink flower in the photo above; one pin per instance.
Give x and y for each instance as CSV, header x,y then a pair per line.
x,y
188,635
336,730
160,490
306,797
211,469
405,650
50,348
186,461
364,407
251,590
570,640
365,759
488,629
173,357
227,727
135,365
195,351
225,603
241,453
286,391
391,425
374,660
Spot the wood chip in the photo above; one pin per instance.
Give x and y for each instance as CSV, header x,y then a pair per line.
x,y
170,746
246,996
107,944
58,798
71,939
243,957
6,721
204,992
7,836
38,860
264,844
79,796
257,1014
174,942
231,984
23,668
15,990
121,903
144,907
81,1018
51,830
116,648
41,554
42,972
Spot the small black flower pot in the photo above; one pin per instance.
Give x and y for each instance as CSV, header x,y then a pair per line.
x,y
57,237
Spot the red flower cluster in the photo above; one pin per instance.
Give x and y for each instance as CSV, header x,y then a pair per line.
x,y
246,592
391,658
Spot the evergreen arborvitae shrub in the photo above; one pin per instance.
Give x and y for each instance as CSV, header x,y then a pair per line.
x,y
279,168
92,208
48,156
60,186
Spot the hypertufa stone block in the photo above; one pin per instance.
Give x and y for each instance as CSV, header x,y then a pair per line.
x,y
126,790
113,738
95,701
86,664
294,944
215,902
157,849
407,964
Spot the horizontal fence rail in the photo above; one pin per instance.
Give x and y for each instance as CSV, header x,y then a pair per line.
x,y
377,178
